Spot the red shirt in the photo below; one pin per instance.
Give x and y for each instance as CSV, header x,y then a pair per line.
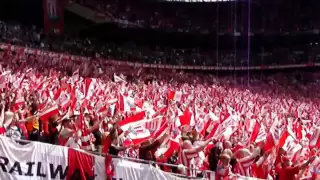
x,y
259,171
107,144
277,161
2,131
287,173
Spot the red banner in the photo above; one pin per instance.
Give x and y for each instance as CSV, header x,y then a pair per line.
x,y
53,16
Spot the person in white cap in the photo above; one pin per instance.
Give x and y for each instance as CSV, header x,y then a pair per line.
x,y
11,125
12,128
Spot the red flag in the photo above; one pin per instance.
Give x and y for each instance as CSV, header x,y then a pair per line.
x,y
255,132
185,119
80,165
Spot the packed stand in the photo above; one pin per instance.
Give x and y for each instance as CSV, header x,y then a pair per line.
x,y
198,122
225,17
34,38
173,16
17,34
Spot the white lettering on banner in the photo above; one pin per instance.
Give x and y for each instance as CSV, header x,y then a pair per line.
x,y
40,161
18,169
28,162
122,63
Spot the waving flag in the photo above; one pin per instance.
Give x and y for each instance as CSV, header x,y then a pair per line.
x,y
187,119
175,95
126,104
132,121
139,134
315,138
48,112
118,78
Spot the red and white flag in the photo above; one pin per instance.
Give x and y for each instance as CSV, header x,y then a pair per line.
x,y
168,148
175,96
126,104
90,85
315,138
133,121
155,123
258,133
273,136
187,119
75,75
138,134
20,102
225,129
118,78
48,112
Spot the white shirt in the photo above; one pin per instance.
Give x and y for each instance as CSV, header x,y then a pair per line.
x,y
71,140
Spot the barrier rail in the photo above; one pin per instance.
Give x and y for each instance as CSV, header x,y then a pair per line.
x,y
206,172
142,161
154,66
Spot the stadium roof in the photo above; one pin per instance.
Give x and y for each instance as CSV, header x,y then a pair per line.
x,y
197,1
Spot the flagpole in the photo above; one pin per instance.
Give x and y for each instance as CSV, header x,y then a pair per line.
x,y
234,11
217,39
249,39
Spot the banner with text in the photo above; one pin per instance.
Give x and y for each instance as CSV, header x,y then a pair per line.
x,y
34,160
40,161
44,161
65,57
53,16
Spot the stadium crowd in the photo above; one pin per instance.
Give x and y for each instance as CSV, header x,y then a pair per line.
x,y
200,122
223,125
210,17
196,121
130,51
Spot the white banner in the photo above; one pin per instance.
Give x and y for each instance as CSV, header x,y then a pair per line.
x,y
31,161
128,170
40,161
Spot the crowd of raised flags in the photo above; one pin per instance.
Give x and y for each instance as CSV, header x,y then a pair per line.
x,y
196,122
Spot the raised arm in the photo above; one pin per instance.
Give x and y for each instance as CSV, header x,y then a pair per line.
x,y
29,119
306,164
262,159
155,143
252,156
198,148
122,148
95,126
